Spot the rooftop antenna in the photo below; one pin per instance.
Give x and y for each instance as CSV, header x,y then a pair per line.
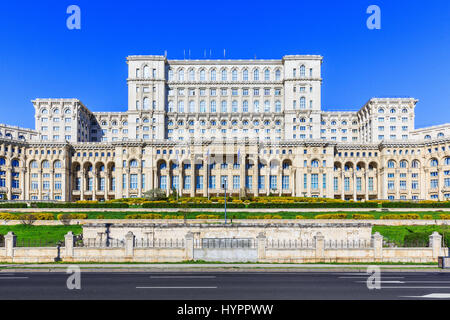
x,y
255,56
204,54
210,53
184,54
189,54
224,53
165,53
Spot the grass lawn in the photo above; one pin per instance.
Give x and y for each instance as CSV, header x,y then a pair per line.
x,y
49,233
397,233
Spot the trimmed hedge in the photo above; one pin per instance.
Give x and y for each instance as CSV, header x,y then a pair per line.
x,y
193,205
405,216
48,205
73,216
13,205
331,216
359,216
307,205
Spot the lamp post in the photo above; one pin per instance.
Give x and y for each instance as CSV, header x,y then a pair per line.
x,y
224,186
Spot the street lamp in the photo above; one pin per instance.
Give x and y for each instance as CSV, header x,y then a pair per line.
x,y
224,186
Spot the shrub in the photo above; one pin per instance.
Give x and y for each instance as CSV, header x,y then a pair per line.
x,y
207,216
416,239
155,194
80,205
8,216
331,216
73,216
427,217
45,216
144,216
300,217
404,216
100,216
27,219
444,216
13,205
359,216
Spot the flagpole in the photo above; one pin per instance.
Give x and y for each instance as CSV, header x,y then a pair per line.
x,y
207,174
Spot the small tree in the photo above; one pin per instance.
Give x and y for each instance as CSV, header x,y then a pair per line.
x,y
27,219
65,219
155,195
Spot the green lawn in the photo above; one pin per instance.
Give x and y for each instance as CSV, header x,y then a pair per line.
x,y
397,234
48,233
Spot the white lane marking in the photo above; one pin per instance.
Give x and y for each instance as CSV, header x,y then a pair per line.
x,y
5,278
182,277
395,281
365,277
176,287
415,287
431,296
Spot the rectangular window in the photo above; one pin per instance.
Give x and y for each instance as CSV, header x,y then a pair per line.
x,y
314,181
248,182
102,184
124,181
187,182
175,182
212,182
113,184
305,181
261,182
347,184
163,182
57,185
370,183
285,182
336,184
324,181
358,184
199,182
134,181
236,182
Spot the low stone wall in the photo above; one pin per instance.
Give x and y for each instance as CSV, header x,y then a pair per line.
x,y
188,250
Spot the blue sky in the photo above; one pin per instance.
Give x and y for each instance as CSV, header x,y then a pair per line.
x,y
408,57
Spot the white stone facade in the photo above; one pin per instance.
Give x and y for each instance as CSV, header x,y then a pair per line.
x,y
191,125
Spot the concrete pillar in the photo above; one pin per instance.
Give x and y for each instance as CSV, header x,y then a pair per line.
x,y
261,242
69,244
189,246
129,244
319,240
435,244
10,243
376,242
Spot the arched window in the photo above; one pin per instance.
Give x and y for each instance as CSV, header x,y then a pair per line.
x,y
191,75
34,164
234,75
277,74
2,161
434,162
427,137
302,71
415,164
256,106
405,110
181,106
245,106
213,106
403,164
391,164
393,110
146,104
58,164
315,163
302,103
213,75
440,135
146,72
162,166
46,164
15,163
245,75
224,75
202,75
267,75
267,106
191,106
181,75
277,106
133,163
67,111
256,75
381,110
447,161
202,106
223,106
234,106
56,111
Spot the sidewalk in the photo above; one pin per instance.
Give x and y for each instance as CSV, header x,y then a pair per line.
x,y
219,267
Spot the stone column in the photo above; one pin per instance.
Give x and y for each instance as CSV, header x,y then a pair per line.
x,y
255,176
10,243
69,244
261,242
354,185
435,244
129,245
319,240
376,242
189,246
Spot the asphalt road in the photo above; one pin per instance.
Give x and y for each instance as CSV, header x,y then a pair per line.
x,y
224,286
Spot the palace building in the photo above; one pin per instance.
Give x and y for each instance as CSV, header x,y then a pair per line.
x,y
254,126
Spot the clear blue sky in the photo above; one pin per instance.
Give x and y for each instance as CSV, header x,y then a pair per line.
x,y
41,58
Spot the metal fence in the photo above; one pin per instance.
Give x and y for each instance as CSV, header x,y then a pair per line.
x,y
159,243
97,243
290,244
225,243
36,243
347,244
